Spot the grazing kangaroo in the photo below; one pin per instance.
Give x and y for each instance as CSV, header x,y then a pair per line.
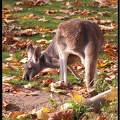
x,y
74,39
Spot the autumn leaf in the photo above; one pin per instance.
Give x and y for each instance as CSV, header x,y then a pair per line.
x,y
111,95
42,114
49,71
100,117
61,115
61,17
8,7
53,87
24,60
110,35
12,58
9,40
9,78
77,97
6,87
14,114
66,106
104,63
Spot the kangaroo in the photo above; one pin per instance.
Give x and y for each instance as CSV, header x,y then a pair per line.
x,y
74,39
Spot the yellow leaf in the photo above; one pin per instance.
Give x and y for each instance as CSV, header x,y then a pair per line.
x,y
6,67
8,15
112,95
42,114
45,88
8,7
45,29
24,17
77,97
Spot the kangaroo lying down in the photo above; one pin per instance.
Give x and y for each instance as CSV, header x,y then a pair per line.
x,y
74,39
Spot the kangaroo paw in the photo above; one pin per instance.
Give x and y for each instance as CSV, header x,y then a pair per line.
x,y
92,92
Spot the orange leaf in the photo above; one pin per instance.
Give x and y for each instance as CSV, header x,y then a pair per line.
x,y
100,117
14,114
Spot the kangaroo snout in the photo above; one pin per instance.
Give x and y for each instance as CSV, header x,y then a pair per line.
x,y
26,78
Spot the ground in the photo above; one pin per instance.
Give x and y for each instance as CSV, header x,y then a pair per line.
x,y
27,103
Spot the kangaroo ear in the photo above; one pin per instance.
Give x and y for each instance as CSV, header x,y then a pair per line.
x,y
37,53
30,51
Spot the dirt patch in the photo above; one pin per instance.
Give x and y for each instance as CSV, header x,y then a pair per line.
x,y
27,103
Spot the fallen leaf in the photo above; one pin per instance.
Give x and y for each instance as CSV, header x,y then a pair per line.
x,y
49,71
66,106
42,114
43,19
8,78
100,117
61,17
76,96
103,27
53,87
24,60
12,58
21,116
8,7
18,9
9,40
28,86
43,41
110,35
61,115
14,114
6,87
112,95
22,94
9,21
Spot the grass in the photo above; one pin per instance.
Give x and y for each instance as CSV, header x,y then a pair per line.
x,y
101,84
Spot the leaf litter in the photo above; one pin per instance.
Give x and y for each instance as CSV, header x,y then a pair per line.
x,y
12,44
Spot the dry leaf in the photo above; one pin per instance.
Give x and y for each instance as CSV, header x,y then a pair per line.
x,y
111,95
6,87
24,60
42,114
66,106
9,40
53,87
22,94
8,7
12,58
61,17
61,115
18,9
14,114
28,86
22,116
43,41
8,78
49,71
100,117
76,96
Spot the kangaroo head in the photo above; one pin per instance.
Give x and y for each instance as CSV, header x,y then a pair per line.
x,y
32,67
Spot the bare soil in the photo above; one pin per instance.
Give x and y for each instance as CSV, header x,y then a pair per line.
x,y
26,103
